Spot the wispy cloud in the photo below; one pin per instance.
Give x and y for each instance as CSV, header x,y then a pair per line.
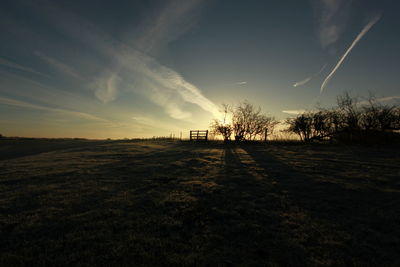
x,y
13,65
107,89
332,17
166,24
242,83
148,122
165,86
160,84
388,98
303,82
166,83
395,98
358,38
60,66
23,104
295,111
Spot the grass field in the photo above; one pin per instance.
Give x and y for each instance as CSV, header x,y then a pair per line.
x,y
133,203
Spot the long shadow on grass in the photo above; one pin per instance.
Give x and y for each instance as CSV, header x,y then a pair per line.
x,y
356,226
242,223
193,204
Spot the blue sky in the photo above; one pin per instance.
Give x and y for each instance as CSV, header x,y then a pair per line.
x,y
150,68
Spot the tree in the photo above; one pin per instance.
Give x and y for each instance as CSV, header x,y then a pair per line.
x,y
222,128
349,112
266,126
244,121
324,124
247,123
219,128
301,125
348,121
397,118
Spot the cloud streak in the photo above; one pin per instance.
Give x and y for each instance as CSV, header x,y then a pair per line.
x,y
303,82
166,24
107,89
23,104
170,82
13,65
295,111
161,84
394,98
131,62
358,38
388,98
65,69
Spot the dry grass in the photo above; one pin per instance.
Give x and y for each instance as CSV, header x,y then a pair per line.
x,y
178,203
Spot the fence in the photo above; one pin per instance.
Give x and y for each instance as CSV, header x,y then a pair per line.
x,y
199,135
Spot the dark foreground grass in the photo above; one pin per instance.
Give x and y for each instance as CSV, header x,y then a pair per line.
x,y
180,203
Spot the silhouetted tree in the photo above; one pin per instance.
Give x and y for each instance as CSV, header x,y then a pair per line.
x,y
218,128
222,128
266,126
321,124
377,116
301,125
244,121
247,123
348,112
348,121
397,118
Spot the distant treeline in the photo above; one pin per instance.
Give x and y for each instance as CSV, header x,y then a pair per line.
x,y
350,121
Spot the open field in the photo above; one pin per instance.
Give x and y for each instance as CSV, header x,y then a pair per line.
x,y
138,203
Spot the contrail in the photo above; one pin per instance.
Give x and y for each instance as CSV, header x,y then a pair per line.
x,y
303,82
358,38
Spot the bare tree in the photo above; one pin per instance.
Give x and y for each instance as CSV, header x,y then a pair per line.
x,y
244,121
323,124
301,125
397,118
222,128
349,112
349,121
266,126
247,123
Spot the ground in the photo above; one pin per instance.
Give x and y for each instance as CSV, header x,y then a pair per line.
x,y
133,203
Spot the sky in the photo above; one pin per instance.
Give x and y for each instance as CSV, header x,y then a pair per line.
x,y
129,69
